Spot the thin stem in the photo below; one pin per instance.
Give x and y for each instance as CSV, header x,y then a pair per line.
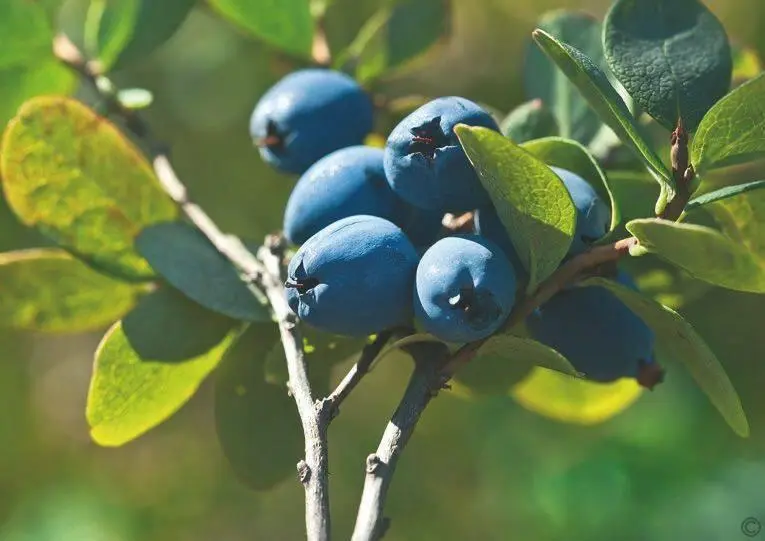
x,y
381,465
262,275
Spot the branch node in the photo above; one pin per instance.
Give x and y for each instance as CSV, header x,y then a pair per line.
x,y
304,472
374,464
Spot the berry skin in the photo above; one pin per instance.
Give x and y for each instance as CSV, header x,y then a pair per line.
x,y
354,277
348,182
595,331
593,218
308,114
464,290
425,163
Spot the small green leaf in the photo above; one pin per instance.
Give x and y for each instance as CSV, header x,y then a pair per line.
x,y
531,201
256,421
703,252
545,81
530,120
396,34
186,259
605,100
724,193
635,195
746,64
571,155
108,28
151,363
75,177
734,130
505,360
678,341
48,290
672,56
284,24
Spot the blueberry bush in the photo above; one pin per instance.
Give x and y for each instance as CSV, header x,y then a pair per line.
x,y
492,249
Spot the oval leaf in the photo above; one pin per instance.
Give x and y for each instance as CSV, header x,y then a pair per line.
x,y
284,24
50,291
531,201
734,130
678,341
151,363
74,176
545,81
572,400
108,28
571,155
605,100
703,252
672,56
530,120
256,421
186,259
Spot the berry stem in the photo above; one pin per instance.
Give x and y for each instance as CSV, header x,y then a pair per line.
x,y
682,172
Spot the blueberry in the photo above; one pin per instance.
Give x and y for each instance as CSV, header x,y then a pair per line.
x,y
425,162
464,290
308,114
488,225
354,277
596,332
348,182
593,216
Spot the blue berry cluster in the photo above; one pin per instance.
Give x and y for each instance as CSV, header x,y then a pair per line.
x,y
373,254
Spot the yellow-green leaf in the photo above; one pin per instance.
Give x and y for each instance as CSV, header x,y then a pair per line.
x,y
75,177
678,341
48,290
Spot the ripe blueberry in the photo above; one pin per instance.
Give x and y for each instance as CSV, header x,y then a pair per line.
x,y
308,114
425,163
596,332
354,277
464,289
348,182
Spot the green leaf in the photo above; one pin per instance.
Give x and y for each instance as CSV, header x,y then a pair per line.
x,y
703,252
48,290
284,24
504,360
605,100
571,155
545,81
151,363
734,130
256,421
634,194
186,259
678,341
108,28
530,120
672,56
396,34
723,193
75,177
746,64
531,201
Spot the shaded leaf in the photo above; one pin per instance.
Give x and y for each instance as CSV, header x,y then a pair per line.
x,y
573,400
284,24
531,201
723,193
256,421
108,28
401,343
734,129
678,341
504,360
605,100
672,56
530,120
572,156
50,291
186,259
746,64
151,363
741,219
545,81
75,177
703,252
397,33
635,195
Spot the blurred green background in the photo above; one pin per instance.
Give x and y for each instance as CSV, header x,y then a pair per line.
x,y
668,469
